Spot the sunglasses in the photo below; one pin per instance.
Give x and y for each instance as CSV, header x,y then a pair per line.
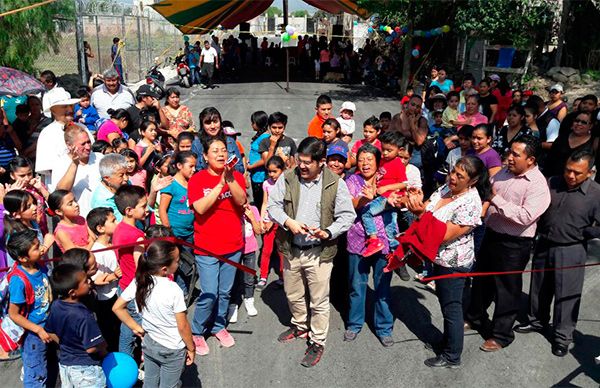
x,y
578,121
554,91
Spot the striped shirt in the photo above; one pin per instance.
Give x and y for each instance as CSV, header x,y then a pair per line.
x,y
519,202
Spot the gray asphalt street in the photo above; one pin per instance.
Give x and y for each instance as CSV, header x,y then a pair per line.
x,y
258,360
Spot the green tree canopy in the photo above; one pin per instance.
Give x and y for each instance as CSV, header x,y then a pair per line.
x,y
299,13
274,11
27,34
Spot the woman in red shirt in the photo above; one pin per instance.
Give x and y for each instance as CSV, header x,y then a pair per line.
x,y
217,195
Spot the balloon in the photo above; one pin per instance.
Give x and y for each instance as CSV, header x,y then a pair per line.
x,y
417,33
390,30
418,46
290,29
120,369
427,34
438,31
381,28
397,29
394,34
285,37
445,28
388,39
355,22
186,38
415,53
295,36
370,30
404,30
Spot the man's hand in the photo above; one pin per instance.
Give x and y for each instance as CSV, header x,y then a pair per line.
x,y
295,227
317,233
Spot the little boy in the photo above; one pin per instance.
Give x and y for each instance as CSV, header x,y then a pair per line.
x,y
30,297
391,178
85,113
323,109
72,325
102,222
467,90
436,128
450,114
229,130
346,120
132,203
385,118
279,144
464,142
184,141
371,129
409,93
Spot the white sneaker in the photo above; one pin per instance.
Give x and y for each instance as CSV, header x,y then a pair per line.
x,y
249,304
232,314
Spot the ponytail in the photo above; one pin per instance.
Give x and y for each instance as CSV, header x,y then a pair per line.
x,y
159,254
15,201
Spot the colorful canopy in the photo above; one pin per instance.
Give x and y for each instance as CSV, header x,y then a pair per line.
x,y
201,16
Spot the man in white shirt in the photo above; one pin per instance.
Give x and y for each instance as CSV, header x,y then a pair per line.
x,y
78,170
111,95
51,143
48,78
209,60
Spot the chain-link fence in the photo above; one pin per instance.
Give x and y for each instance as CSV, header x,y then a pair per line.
x,y
145,34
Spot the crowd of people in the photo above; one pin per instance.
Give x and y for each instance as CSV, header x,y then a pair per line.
x,y
469,178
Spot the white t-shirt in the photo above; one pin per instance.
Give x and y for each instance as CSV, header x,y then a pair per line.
x,y
453,157
158,317
414,176
87,179
209,55
107,263
102,100
347,126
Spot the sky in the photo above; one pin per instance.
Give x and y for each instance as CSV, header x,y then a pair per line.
x,y
295,5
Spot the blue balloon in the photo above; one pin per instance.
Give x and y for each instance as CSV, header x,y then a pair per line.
x,y
370,29
394,35
389,39
120,369
415,53
404,30
427,34
382,28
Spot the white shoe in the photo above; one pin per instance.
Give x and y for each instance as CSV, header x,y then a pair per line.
x,y
249,304
232,314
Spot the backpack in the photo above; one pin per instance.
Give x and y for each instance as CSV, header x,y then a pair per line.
x,y
11,333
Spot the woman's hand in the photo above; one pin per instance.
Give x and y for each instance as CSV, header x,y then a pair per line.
x,y
139,331
227,175
415,204
369,191
189,357
161,183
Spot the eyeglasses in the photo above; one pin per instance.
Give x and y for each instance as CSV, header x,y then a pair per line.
x,y
578,121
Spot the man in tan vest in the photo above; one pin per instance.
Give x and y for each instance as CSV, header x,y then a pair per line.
x,y
313,207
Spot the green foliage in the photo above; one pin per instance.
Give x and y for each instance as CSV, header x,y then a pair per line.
x,y
594,74
299,13
26,35
274,11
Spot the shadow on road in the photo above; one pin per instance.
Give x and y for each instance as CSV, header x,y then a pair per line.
x,y
586,348
406,307
274,297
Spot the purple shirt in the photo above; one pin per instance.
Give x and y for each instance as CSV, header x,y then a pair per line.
x,y
490,158
356,234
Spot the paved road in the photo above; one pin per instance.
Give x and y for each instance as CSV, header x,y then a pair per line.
x,y
258,360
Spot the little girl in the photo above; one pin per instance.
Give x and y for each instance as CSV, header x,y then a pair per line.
x,y
173,209
167,337
21,208
137,175
21,171
148,148
162,169
332,132
72,230
275,167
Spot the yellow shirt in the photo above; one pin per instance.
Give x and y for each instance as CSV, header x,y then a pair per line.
x,y
448,115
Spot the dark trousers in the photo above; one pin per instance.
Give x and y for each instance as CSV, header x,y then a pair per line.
x,y
208,70
243,285
499,252
108,323
565,286
257,194
449,292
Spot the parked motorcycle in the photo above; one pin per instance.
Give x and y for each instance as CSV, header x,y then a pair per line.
x,y
184,73
156,80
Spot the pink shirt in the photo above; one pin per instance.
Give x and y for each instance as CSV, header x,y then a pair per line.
x,y
106,129
476,119
519,202
361,142
250,243
78,233
139,178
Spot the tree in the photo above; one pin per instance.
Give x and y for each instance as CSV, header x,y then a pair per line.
x,y
274,11
27,34
300,13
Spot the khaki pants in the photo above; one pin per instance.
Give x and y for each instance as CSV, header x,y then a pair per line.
x,y
306,283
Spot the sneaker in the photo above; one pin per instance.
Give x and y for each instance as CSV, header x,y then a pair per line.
x,y
141,374
201,345
225,338
374,245
349,336
431,286
403,273
232,313
291,334
250,309
313,355
262,283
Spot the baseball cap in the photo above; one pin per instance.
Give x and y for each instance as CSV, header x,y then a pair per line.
x,y
347,105
147,90
338,149
229,129
495,77
60,97
557,87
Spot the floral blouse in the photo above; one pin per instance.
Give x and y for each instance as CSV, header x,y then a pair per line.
x,y
184,120
464,211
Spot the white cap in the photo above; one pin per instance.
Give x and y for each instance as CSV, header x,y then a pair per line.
x,y
60,97
347,105
495,77
557,87
230,131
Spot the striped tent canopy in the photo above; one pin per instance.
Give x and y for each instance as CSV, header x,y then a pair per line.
x,y
201,16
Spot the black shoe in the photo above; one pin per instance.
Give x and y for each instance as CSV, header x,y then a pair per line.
x,y
291,334
526,328
313,355
440,362
560,350
403,273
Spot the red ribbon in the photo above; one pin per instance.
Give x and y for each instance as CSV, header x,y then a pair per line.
x,y
174,240
474,274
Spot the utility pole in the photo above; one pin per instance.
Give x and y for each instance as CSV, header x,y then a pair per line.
x,y
81,58
287,51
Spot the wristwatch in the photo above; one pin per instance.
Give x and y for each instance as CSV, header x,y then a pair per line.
x,y
328,234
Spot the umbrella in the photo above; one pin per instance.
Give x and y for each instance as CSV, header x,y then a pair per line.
x,y
17,83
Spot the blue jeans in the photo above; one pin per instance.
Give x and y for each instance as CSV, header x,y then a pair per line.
x,y
216,280
192,75
82,376
35,363
378,206
359,279
162,366
450,292
126,337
